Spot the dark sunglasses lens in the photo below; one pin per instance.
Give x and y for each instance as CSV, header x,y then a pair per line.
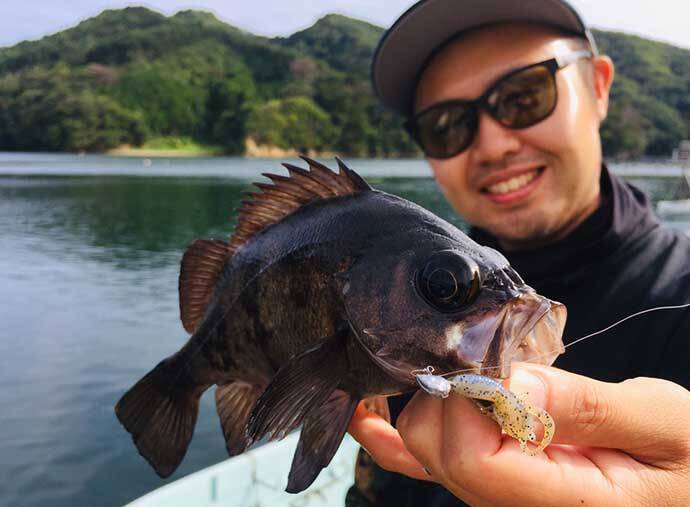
x,y
446,130
524,98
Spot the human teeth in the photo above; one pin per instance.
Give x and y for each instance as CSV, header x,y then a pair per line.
x,y
513,184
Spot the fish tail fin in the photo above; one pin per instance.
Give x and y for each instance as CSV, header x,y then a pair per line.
x,y
160,412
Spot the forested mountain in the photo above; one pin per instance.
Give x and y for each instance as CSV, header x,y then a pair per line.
x,y
128,75
650,99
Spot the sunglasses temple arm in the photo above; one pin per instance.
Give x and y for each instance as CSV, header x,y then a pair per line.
x,y
567,59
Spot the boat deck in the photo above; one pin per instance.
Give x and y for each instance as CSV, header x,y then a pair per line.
x,y
258,478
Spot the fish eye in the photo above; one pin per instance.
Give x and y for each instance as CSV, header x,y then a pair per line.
x,y
448,282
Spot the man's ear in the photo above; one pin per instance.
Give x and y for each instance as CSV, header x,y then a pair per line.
x,y
604,72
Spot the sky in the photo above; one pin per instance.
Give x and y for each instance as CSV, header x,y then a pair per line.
x,y
664,20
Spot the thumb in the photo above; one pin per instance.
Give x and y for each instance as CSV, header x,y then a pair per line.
x,y
642,416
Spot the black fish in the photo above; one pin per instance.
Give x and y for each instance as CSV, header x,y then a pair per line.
x,y
329,292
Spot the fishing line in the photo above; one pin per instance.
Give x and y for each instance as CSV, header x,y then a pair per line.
x,y
429,370
545,354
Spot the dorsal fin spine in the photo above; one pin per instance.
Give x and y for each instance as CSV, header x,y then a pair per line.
x,y
352,176
288,185
286,194
309,181
325,172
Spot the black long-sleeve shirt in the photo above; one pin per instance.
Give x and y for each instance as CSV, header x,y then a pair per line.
x,y
619,261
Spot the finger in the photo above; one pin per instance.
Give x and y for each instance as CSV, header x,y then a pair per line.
x,y
562,475
461,429
622,416
384,444
466,451
379,406
428,428
420,425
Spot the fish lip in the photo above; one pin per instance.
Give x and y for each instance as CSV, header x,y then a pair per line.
x,y
552,321
530,329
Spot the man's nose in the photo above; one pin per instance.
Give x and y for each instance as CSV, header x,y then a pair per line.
x,y
494,142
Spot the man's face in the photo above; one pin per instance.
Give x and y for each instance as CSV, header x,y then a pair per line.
x,y
528,186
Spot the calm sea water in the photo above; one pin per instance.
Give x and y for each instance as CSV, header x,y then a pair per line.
x,y
89,259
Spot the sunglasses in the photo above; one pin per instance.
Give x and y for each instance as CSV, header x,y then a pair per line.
x,y
518,100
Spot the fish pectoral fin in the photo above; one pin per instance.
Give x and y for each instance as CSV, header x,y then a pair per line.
x,y
201,266
234,403
304,382
323,430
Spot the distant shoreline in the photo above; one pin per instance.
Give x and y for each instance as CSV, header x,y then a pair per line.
x,y
126,151
166,147
173,148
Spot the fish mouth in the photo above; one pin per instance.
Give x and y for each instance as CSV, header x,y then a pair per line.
x,y
529,328
542,336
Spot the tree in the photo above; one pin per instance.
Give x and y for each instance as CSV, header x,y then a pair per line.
x,y
295,122
228,105
45,113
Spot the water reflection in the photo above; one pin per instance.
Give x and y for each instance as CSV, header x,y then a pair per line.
x,y
130,220
668,189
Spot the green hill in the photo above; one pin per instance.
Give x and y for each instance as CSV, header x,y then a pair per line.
x,y
129,75
344,43
650,99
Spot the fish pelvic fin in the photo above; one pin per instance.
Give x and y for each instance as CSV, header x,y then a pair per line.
x,y
160,412
201,267
286,194
322,432
234,403
306,381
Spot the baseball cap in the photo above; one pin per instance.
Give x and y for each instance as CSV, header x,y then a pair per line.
x,y
408,45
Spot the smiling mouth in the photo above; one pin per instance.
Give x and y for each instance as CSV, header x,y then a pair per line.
x,y
513,184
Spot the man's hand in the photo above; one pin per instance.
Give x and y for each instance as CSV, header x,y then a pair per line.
x,y
615,444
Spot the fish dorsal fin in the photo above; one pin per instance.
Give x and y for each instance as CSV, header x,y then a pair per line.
x,y
202,263
204,260
286,194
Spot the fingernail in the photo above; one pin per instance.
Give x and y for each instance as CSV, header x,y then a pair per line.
x,y
528,384
427,471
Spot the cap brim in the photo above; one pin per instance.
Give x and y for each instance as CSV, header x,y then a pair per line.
x,y
407,46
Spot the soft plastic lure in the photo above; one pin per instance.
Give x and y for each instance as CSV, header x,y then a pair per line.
x,y
515,415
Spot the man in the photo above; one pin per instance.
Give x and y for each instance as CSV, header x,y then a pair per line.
x,y
506,99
